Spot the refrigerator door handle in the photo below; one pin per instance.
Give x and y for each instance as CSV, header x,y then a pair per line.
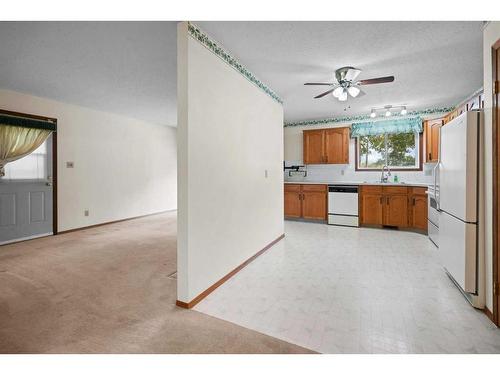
x,y
436,168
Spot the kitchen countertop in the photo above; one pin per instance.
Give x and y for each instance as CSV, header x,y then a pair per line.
x,y
404,183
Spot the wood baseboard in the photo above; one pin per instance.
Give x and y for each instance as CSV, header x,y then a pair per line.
x,y
112,222
202,295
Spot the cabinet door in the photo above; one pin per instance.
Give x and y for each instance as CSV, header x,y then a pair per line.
x,y
396,210
432,139
371,209
419,212
314,205
293,201
314,146
435,141
337,146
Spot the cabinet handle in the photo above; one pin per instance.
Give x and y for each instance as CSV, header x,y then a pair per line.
x,y
413,201
387,200
381,198
326,158
430,156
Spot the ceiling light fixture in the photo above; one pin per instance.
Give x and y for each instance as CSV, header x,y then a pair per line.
x,y
337,92
353,91
373,113
404,111
388,113
343,97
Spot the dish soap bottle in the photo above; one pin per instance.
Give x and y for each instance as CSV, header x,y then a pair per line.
x,y
396,178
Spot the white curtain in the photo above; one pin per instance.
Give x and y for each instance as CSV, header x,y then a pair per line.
x,y
17,142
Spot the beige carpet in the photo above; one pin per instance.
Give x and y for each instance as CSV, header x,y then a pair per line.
x,y
108,290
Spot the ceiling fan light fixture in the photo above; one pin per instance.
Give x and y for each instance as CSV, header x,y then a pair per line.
x,y
404,111
388,113
343,96
373,113
353,91
338,91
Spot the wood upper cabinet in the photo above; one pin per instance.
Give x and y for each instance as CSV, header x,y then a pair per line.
x,y
337,146
431,129
306,201
314,146
418,208
326,146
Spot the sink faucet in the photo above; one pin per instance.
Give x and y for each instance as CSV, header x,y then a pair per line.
x,y
385,177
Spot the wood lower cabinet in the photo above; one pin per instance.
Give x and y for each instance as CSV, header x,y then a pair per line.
x,y
418,209
371,206
293,198
394,206
306,201
396,210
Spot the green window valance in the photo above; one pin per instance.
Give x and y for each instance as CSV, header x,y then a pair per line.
x,y
26,122
392,126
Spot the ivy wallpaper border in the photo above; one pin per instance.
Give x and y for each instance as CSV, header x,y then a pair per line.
x,y
344,119
205,40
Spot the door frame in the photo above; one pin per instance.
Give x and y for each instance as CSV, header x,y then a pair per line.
x,y
496,185
54,159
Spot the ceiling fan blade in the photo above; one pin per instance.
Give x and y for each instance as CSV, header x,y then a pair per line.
x,y
323,94
318,84
352,74
374,81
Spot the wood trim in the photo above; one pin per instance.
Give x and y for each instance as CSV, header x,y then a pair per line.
x,y
202,295
54,183
28,115
495,316
113,222
420,159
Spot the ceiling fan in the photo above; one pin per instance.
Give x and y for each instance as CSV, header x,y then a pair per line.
x,y
346,85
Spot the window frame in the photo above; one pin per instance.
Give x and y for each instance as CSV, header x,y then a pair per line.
x,y
413,169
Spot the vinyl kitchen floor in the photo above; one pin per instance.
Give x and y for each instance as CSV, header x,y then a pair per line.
x,y
353,290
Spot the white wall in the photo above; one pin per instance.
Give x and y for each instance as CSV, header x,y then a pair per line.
x,y
491,34
122,167
230,132
293,155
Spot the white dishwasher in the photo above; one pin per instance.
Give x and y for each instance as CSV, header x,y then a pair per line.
x,y
343,205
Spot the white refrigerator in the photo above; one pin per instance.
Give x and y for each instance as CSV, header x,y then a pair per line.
x,y
459,186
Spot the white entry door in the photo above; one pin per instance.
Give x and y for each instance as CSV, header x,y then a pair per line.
x,y
26,196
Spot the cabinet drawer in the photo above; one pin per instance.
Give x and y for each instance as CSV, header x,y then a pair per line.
x,y
400,190
418,190
292,187
307,187
371,189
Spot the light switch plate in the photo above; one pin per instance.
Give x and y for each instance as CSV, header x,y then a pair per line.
x,y
70,164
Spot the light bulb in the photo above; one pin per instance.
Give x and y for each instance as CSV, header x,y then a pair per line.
x,y
343,96
404,111
353,91
373,114
388,113
338,91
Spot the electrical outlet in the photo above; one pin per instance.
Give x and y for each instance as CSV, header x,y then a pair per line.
x,y
86,212
70,164
342,172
